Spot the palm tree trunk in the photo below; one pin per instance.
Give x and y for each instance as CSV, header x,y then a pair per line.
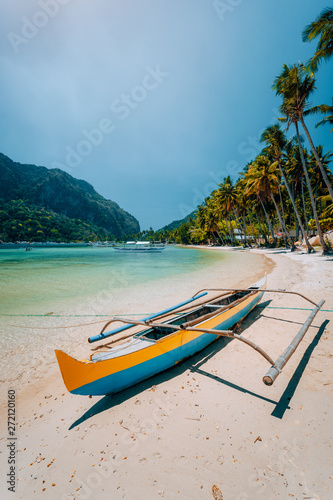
x,y
226,223
245,235
304,234
319,163
286,232
252,229
304,209
296,228
233,239
295,216
225,231
262,231
269,222
218,232
212,233
282,210
239,226
325,248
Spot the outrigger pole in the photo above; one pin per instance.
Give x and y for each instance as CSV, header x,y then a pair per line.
x,y
282,360
276,367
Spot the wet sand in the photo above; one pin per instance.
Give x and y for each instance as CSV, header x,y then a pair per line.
x,y
208,427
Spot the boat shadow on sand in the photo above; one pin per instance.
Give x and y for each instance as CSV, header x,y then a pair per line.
x,y
195,363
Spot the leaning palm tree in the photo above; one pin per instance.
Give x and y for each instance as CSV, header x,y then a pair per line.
x,y
295,86
322,27
295,175
295,172
276,142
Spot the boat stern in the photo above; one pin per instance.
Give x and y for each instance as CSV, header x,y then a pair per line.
x,y
72,371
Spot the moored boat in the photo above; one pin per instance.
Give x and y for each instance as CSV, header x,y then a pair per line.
x,y
160,345
140,247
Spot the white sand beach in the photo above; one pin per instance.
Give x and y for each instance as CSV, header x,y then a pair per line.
x,y
206,429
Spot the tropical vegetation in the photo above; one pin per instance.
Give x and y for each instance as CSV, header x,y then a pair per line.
x,y
21,221
285,194
321,28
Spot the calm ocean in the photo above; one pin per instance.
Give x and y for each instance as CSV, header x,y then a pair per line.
x,y
56,279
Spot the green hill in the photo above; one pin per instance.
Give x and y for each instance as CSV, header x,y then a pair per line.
x,y
60,193
176,223
21,221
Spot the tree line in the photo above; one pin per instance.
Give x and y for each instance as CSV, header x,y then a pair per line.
x,y
288,187
22,221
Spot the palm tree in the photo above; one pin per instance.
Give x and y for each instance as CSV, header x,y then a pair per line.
x,y
254,206
295,86
322,27
251,223
201,218
295,173
213,216
205,220
227,199
243,201
276,142
262,178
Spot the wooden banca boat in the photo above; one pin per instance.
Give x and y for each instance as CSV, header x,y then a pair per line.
x,y
164,339
140,247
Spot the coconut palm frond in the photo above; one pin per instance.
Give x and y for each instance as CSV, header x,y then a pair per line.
x,y
322,27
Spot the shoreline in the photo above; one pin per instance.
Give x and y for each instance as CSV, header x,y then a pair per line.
x,y
198,424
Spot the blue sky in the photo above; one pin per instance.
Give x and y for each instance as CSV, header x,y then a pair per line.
x,y
154,101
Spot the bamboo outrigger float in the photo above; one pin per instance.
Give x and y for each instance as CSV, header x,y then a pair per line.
x,y
161,345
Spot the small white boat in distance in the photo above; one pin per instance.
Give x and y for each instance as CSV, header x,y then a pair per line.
x,y
140,247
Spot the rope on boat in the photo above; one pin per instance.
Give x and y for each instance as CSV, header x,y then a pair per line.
x,y
54,316
55,327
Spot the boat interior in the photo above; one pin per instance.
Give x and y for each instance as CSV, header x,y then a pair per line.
x,y
185,318
207,310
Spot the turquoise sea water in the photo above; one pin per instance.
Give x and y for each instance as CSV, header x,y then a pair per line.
x,y
46,279
55,298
